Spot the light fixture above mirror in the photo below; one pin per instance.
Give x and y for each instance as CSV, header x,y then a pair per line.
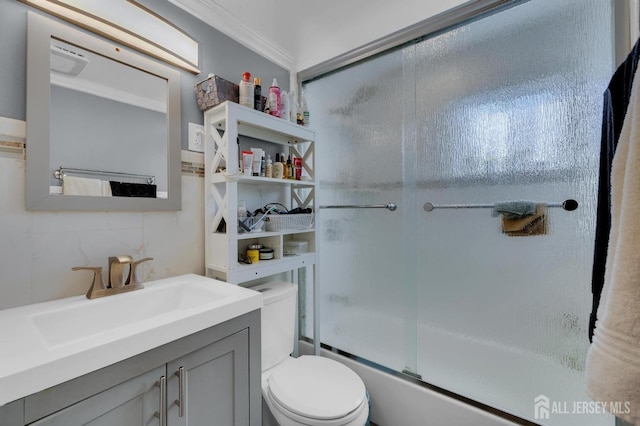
x,y
129,23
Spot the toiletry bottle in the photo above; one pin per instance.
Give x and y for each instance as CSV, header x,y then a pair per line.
x,y
274,99
268,168
263,166
299,116
293,106
242,210
306,116
277,168
284,166
284,105
257,159
290,174
246,90
297,168
257,94
247,162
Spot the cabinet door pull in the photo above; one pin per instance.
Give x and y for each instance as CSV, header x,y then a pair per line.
x,y
160,415
181,401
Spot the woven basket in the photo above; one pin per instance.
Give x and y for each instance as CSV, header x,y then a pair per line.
x,y
282,222
214,91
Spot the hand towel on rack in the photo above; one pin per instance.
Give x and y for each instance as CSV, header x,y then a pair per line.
x,y
532,224
513,209
613,361
129,189
72,185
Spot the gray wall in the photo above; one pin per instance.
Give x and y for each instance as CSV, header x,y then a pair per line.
x,y
218,54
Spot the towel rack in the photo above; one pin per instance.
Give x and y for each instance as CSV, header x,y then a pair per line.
x,y
59,174
389,206
569,205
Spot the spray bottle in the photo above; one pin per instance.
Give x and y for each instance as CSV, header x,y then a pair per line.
x,y
274,99
293,106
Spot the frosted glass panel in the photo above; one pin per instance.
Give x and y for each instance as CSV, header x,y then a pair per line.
x,y
511,112
505,108
357,115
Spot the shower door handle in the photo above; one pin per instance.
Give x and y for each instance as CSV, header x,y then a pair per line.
x,y
389,206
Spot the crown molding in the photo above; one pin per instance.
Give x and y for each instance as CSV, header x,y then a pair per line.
x,y
224,21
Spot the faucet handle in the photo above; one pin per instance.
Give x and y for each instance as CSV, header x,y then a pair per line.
x,y
97,285
133,276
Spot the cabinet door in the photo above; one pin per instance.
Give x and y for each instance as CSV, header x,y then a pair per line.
x,y
215,383
132,403
12,414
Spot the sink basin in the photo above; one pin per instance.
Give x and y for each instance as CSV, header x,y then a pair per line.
x,y
45,344
94,317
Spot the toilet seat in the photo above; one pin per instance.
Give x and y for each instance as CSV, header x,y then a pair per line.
x,y
318,389
288,418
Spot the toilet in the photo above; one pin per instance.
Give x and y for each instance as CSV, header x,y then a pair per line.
x,y
309,390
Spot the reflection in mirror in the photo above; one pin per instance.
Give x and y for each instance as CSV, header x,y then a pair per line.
x,y
107,122
103,124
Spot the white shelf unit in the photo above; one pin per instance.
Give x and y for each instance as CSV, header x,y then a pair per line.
x,y
225,186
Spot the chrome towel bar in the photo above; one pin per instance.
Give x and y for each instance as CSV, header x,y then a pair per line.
x,y
389,206
59,174
568,205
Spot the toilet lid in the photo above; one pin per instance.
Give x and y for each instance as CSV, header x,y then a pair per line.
x,y
317,388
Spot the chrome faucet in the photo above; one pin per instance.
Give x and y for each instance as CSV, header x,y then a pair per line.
x,y
117,284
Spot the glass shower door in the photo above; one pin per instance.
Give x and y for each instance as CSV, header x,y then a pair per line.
x,y
362,289
504,108
509,109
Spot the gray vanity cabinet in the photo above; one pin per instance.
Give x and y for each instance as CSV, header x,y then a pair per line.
x,y
215,384
210,378
132,403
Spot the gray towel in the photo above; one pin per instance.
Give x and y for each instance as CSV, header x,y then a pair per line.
x,y
514,209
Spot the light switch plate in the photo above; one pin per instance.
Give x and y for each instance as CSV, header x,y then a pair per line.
x,y
196,137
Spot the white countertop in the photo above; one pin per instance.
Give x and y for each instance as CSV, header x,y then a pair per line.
x,y
49,343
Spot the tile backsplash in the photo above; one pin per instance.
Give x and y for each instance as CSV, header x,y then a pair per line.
x,y
38,249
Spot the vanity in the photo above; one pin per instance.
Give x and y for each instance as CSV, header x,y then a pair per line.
x,y
183,350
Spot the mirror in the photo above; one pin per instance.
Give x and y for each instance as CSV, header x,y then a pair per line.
x,y
103,124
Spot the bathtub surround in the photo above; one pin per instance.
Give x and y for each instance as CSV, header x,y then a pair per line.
x,y
613,361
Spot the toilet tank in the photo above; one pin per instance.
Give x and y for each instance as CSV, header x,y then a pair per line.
x,y
278,321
